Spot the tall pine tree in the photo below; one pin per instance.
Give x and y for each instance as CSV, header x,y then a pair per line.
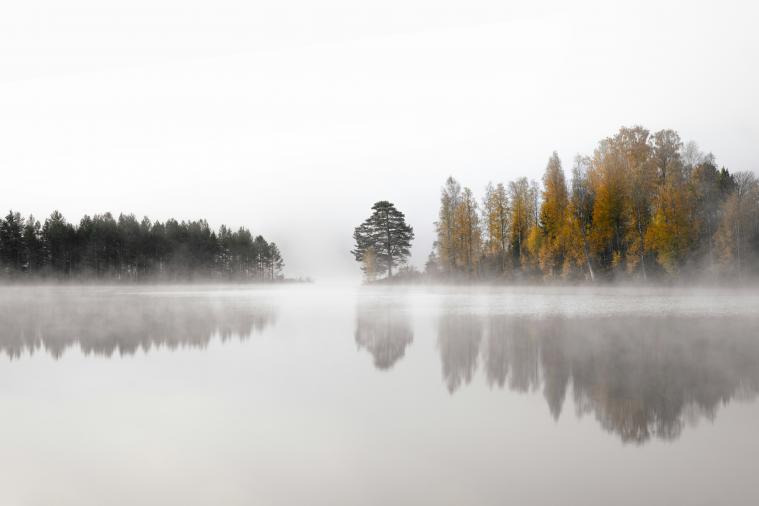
x,y
385,233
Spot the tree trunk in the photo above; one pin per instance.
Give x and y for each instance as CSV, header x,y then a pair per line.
x,y
642,249
389,247
587,255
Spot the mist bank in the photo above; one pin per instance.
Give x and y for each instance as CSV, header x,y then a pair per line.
x,y
643,207
102,248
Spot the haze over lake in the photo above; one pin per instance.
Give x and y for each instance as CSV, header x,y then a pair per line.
x,y
338,394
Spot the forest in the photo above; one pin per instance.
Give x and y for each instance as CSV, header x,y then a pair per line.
x,y
642,206
102,247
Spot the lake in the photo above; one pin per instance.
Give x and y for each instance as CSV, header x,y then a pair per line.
x,y
343,395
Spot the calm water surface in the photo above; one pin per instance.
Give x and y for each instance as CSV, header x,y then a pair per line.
x,y
337,395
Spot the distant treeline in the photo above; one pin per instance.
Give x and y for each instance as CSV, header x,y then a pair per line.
x,y
643,205
102,247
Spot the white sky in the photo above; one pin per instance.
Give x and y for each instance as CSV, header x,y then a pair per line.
x,y
292,118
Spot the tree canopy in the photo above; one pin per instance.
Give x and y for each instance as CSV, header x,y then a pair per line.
x,y
643,204
124,248
383,240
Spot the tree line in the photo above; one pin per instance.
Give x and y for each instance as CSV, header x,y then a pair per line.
x,y
103,247
642,205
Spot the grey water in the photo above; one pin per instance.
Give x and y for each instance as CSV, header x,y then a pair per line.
x,y
344,395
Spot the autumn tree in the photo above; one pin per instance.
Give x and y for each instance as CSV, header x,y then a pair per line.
x,y
495,219
610,216
450,196
644,205
672,229
634,149
467,233
521,218
580,216
553,216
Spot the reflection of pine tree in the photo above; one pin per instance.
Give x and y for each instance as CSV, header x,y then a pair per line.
x,y
121,324
385,331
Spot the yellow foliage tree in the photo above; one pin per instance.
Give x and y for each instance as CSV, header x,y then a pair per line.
x,y
468,236
553,218
495,217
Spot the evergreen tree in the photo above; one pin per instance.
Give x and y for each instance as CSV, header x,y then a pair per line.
x,y
387,233
34,252
11,242
131,249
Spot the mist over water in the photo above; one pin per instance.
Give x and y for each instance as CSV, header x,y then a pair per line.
x,y
452,395
107,321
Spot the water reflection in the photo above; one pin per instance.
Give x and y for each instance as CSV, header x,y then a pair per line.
x,y
459,339
641,377
105,323
384,329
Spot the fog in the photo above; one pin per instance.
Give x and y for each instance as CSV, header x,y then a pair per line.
x,y
486,392
108,321
292,119
644,362
156,383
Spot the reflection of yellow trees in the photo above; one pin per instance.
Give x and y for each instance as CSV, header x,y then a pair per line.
x,y
641,377
384,330
105,323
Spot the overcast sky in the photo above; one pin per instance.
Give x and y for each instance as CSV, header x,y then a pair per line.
x,y
292,118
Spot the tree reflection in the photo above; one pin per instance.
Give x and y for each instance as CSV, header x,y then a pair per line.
x,y
459,337
104,323
640,377
384,329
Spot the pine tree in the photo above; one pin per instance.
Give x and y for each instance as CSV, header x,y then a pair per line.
x,y
34,253
11,242
387,233
275,261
